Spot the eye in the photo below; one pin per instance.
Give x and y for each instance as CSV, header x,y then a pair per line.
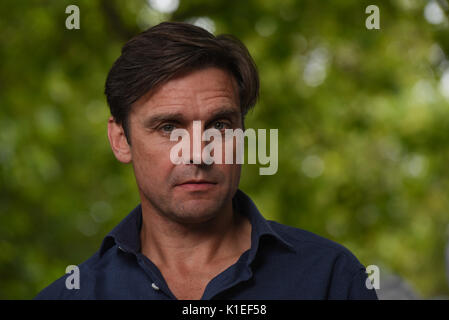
x,y
219,125
168,127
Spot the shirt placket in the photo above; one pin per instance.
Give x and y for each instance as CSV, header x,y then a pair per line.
x,y
158,282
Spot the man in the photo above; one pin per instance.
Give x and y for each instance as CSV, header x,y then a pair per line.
x,y
195,235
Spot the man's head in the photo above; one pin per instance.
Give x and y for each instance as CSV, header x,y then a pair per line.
x,y
167,77
169,50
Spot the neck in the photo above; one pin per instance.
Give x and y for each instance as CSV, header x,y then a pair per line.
x,y
175,245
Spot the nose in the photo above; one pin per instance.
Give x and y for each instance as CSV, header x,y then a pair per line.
x,y
196,143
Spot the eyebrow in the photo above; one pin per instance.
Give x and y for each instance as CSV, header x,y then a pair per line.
x,y
179,117
163,117
225,113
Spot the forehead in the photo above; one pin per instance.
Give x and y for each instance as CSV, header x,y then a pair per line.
x,y
196,92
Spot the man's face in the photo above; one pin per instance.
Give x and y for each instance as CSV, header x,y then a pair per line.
x,y
209,95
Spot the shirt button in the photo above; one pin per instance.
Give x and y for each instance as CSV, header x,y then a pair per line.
x,y
154,286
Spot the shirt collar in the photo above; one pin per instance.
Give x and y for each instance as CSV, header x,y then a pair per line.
x,y
127,233
259,225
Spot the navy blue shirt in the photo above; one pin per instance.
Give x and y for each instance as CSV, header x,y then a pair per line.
x,y
282,263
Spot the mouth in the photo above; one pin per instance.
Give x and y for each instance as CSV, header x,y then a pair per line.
x,y
196,185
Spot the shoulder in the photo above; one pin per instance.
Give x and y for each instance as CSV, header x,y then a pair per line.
x,y
64,288
326,268
313,247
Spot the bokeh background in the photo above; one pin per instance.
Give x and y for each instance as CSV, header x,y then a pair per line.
x,y
363,119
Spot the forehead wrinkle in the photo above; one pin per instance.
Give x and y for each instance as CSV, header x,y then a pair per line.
x,y
165,94
216,94
225,87
221,96
179,91
181,95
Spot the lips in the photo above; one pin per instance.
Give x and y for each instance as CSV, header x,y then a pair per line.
x,y
196,185
196,182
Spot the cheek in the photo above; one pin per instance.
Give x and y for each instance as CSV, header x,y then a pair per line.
x,y
231,172
152,161
234,172
237,171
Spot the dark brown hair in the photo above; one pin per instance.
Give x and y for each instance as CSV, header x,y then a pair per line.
x,y
167,50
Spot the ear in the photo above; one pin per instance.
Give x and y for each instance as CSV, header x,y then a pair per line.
x,y
119,144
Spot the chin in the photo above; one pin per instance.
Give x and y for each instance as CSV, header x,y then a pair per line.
x,y
197,211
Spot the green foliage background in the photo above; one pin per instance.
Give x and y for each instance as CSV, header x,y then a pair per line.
x,y
363,130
